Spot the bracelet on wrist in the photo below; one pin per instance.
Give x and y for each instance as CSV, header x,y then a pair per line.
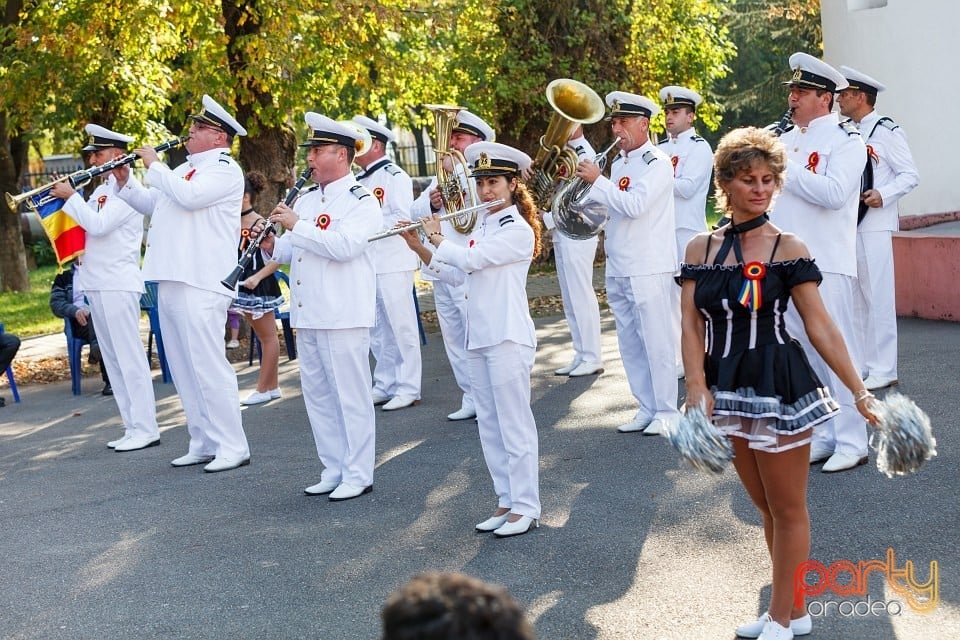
x,y
862,395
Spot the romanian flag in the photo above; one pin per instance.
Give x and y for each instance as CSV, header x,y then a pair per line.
x,y
66,236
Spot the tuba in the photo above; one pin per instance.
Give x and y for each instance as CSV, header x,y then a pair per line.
x,y
574,103
362,145
448,182
575,218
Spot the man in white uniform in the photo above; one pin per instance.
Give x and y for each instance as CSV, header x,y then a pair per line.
x,y
395,337
640,242
450,300
894,176
111,281
819,204
194,214
333,289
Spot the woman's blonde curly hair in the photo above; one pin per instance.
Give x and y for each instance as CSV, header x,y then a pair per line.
x,y
739,150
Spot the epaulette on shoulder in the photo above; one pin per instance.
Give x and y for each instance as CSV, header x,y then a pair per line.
x,y
888,123
850,128
392,169
360,192
649,157
225,157
507,219
697,139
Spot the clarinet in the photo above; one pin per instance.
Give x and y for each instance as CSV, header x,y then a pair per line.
x,y
781,126
230,282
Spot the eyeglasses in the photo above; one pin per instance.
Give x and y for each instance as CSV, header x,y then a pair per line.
x,y
198,125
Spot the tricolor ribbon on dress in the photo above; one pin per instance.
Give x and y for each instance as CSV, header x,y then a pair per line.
x,y
750,295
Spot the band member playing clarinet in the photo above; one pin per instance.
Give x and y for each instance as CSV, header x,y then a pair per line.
x,y
192,242
500,340
333,300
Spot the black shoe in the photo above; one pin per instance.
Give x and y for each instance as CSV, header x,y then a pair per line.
x,y
107,390
3,402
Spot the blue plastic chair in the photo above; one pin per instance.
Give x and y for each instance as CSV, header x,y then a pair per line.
x,y
74,346
282,314
148,303
9,372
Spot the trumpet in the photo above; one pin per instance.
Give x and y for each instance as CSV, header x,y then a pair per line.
x,y
230,282
447,216
36,198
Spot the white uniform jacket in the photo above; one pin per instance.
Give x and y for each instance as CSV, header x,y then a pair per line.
x,y
640,235
114,233
821,191
494,264
421,209
333,283
393,189
692,160
894,173
194,219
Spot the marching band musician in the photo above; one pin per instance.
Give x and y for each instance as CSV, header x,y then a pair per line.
x,y
819,203
112,283
894,176
192,242
395,337
574,260
641,249
333,293
500,340
449,300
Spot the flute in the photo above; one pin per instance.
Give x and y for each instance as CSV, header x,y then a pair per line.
x,y
447,216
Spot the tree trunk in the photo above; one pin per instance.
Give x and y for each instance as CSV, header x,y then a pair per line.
x,y
13,260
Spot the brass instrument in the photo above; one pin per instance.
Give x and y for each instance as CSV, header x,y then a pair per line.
x,y
574,104
447,216
364,143
455,200
575,218
79,179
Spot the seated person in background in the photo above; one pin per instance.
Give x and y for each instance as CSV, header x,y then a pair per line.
x,y
9,344
67,302
453,606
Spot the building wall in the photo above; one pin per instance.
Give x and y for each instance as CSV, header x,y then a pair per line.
x,y
913,47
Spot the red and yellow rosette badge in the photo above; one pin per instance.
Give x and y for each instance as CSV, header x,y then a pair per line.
x,y
674,160
102,200
872,154
624,183
189,174
323,221
812,161
244,238
378,192
750,296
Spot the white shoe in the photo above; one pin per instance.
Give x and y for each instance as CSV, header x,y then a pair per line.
x,y
233,344
873,382
464,413
819,453
259,397
379,397
322,488
587,369
275,394
346,491
637,424
492,523
520,527
773,631
190,459
843,462
565,371
113,443
400,402
657,427
225,463
134,443
801,626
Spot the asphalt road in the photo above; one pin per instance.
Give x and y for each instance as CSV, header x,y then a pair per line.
x,y
633,544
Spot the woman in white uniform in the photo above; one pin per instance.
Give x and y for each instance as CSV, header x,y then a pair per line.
x,y
501,339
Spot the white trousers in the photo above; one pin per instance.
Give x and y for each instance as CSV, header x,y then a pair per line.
x,y
191,320
876,303
580,307
335,377
451,305
500,379
847,432
643,309
395,337
116,316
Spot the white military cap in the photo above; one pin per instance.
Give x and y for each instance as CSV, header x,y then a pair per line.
x,y
622,103
495,159
813,73
860,81
473,124
324,130
674,97
377,130
216,116
103,138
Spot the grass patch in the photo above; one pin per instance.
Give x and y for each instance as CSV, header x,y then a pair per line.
x,y
28,314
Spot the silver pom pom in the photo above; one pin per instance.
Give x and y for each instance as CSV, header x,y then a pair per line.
x,y
700,443
903,439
